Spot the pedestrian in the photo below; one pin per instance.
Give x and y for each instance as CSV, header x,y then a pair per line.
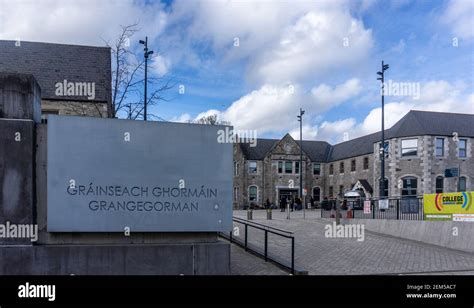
x,y
267,204
283,203
325,204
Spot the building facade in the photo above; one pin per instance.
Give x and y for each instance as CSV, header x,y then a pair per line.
x,y
419,147
74,80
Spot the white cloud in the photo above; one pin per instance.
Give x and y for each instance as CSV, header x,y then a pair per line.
x,y
274,108
282,41
326,97
440,96
460,16
78,22
184,118
313,47
160,65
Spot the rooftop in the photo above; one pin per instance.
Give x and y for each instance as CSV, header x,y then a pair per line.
x,y
414,123
53,63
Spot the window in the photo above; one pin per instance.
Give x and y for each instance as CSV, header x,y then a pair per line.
x,y
462,145
439,184
316,169
409,186
288,167
409,147
236,168
341,190
280,167
366,163
252,167
253,193
462,183
353,165
317,194
331,191
297,167
331,169
385,188
439,147
341,167
236,194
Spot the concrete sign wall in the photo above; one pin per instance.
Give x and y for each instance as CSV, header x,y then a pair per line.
x,y
109,175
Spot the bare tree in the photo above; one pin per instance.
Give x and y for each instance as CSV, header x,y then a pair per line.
x,y
128,81
212,119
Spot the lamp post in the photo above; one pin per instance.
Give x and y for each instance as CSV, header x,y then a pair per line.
x,y
146,54
382,146
300,119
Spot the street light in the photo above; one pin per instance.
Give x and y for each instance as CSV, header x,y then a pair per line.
x,y
146,55
382,147
300,119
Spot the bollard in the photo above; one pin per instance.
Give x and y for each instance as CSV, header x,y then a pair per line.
x,y
249,214
269,214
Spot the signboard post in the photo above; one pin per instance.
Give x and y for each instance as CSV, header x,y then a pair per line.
x,y
367,207
449,206
107,175
451,172
383,204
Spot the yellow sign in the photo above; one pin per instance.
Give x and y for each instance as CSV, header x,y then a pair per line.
x,y
449,206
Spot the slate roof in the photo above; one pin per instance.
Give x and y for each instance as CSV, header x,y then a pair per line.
x,y
366,185
53,63
259,151
414,123
417,122
317,151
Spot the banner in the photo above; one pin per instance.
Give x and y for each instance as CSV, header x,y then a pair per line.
x,y
449,206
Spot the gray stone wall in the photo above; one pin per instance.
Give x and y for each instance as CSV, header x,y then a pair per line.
x,y
348,178
85,108
425,167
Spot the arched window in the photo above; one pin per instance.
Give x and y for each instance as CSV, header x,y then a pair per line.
x,y
253,193
317,194
462,183
409,186
439,184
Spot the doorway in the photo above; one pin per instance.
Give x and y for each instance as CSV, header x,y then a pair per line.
x,y
288,193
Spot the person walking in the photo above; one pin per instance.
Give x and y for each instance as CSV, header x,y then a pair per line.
x,y
283,204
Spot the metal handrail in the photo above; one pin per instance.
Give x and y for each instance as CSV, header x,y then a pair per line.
x,y
261,226
266,229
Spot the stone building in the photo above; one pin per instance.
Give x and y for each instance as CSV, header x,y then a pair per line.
x,y
419,147
74,80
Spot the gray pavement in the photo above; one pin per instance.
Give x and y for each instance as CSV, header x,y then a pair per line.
x,y
377,254
244,263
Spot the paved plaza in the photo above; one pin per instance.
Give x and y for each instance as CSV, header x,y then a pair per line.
x,y
377,254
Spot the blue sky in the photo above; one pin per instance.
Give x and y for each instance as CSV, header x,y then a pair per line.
x,y
318,55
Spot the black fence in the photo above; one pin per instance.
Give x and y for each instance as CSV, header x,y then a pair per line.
x,y
404,208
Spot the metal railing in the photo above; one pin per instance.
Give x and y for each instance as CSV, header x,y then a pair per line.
x,y
399,208
257,250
